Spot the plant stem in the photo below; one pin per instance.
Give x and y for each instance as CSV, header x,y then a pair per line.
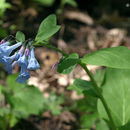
x,y
94,83
99,93
51,47
56,49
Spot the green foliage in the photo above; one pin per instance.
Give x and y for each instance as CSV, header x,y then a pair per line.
x,y
115,57
83,86
116,91
102,125
20,36
3,33
24,100
45,2
88,120
69,2
52,103
68,63
99,76
47,28
3,6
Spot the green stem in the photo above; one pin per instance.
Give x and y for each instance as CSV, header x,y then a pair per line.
x,y
94,83
51,47
99,93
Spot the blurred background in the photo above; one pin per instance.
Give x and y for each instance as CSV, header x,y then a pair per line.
x,y
46,102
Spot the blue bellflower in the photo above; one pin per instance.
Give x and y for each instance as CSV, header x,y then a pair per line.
x,y
7,61
20,53
4,44
24,75
22,61
1,54
32,62
26,61
6,50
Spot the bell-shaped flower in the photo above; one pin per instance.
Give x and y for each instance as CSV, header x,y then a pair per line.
x,y
32,62
22,61
20,53
4,44
6,50
7,61
24,75
1,51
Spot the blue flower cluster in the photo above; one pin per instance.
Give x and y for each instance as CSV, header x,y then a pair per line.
x,y
25,58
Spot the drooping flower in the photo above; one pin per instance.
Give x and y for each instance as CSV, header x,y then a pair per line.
x,y
22,61
6,50
1,52
24,75
5,44
32,62
20,53
24,58
7,62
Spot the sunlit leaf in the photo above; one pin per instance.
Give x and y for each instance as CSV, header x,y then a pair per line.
x,y
116,91
115,57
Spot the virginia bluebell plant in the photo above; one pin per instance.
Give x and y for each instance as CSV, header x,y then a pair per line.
x,y
25,58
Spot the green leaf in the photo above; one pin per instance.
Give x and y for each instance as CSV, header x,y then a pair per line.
x,y
12,84
68,63
89,101
47,28
125,127
99,76
115,57
87,121
83,86
27,101
24,100
45,2
20,36
101,125
70,2
116,91
52,103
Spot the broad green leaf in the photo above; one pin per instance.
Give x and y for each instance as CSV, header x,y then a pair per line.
x,y
28,100
115,57
125,127
101,125
99,76
20,36
68,63
83,86
23,99
47,28
12,84
87,121
87,104
116,91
